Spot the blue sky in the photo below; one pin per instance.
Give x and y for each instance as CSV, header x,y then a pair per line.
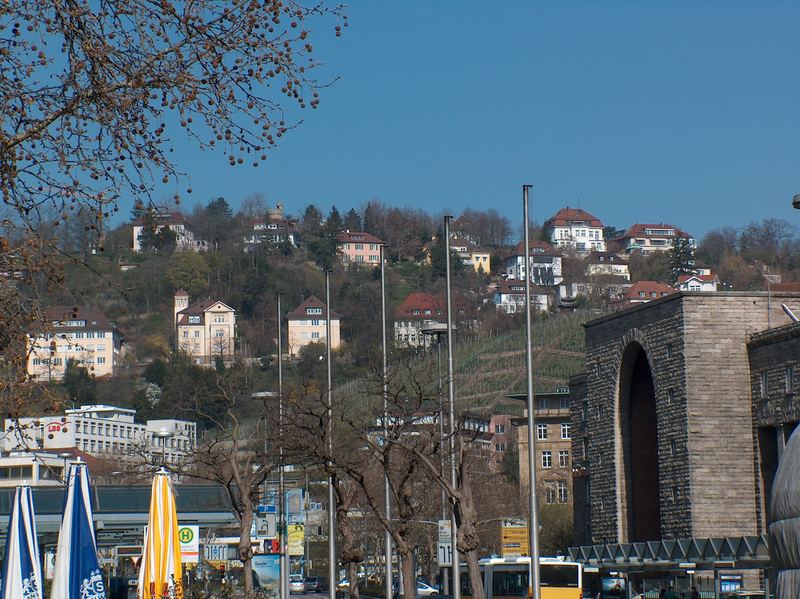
x,y
682,112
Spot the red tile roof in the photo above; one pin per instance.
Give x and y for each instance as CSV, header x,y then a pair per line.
x,y
648,288
437,304
638,230
707,278
357,237
299,313
567,215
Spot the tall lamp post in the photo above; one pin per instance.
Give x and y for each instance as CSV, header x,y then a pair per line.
x,y
451,395
331,499
439,330
387,499
533,519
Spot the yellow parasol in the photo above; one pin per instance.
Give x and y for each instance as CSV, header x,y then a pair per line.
x,y
160,574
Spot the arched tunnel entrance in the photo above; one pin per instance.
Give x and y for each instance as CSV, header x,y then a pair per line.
x,y
638,426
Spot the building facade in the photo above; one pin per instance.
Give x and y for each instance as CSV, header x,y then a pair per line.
x,y
152,223
509,296
697,282
81,335
641,292
576,230
204,330
552,447
102,431
545,264
418,311
359,248
664,438
648,238
607,263
308,324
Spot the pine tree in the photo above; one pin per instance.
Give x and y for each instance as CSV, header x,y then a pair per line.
x,y
681,259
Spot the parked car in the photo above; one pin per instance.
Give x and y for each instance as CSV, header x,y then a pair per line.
x,y
314,584
297,584
426,590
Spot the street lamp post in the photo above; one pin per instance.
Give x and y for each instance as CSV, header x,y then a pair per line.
x,y
164,434
451,394
533,519
439,330
386,491
65,455
331,499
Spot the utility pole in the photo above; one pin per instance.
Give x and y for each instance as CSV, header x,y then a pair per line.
x,y
331,498
386,492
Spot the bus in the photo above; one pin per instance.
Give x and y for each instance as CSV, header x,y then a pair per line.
x,y
507,578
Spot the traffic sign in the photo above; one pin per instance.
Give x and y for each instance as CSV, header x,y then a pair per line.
x,y
216,552
445,532
189,537
444,554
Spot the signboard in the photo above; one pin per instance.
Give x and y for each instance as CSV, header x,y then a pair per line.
x,y
189,537
296,539
49,564
266,525
514,538
216,552
444,551
129,550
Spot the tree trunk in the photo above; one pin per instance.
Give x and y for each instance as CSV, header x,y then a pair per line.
x,y
409,576
245,548
467,536
352,576
474,570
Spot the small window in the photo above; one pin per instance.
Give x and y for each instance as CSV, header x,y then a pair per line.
x,y
672,447
550,495
315,335
764,385
565,427
541,432
563,458
547,459
500,447
789,373
585,406
500,429
585,447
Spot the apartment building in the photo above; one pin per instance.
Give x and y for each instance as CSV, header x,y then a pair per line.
x,y
205,329
102,431
648,238
81,335
152,223
575,229
359,248
308,324
545,264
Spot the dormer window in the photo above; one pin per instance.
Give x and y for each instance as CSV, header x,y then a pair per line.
x,y
313,310
415,311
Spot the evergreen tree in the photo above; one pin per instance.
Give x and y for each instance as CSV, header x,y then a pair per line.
x,y
681,259
438,264
352,221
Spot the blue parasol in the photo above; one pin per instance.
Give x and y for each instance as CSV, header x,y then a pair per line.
x,y
22,572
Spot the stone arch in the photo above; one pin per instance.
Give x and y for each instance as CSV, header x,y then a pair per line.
x,y
637,444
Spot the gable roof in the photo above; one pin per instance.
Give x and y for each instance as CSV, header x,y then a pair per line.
x,y
357,237
421,301
299,313
567,215
199,309
704,278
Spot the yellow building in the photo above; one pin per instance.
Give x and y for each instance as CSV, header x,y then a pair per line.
x,y
80,334
204,330
307,322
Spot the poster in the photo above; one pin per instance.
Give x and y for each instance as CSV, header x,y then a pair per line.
x,y
296,539
267,573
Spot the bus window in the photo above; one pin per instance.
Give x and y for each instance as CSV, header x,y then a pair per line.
x,y
509,584
558,575
466,584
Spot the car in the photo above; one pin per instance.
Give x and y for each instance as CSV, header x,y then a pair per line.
x,y
426,590
314,584
297,584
